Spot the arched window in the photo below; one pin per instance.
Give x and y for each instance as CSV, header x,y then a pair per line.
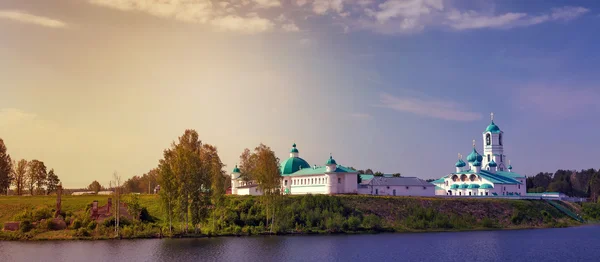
x,y
488,140
500,139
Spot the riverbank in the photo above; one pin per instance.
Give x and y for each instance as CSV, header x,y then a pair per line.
x,y
246,215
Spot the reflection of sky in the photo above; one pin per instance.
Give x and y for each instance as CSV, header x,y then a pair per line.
x,y
570,244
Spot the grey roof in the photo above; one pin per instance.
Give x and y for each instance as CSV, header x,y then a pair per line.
x,y
399,181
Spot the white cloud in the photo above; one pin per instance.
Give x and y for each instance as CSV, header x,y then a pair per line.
x,y
26,18
430,107
290,27
321,7
411,9
199,11
234,23
474,20
301,2
267,3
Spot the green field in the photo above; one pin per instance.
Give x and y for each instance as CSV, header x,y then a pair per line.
x,y
246,215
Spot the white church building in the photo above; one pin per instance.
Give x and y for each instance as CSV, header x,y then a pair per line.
x,y
484,174
298,177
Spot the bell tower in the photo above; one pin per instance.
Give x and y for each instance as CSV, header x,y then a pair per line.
x,y
493,146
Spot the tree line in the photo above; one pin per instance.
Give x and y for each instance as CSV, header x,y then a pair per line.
x,y
26,176
584,183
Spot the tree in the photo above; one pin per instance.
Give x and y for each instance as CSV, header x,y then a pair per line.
x,y
369,172
168,186
6,174
246,165
19,173
53,181
263,165
397,175
133,206
358,179
95,186
36,176
117,207
378,174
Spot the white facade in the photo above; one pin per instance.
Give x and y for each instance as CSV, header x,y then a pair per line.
x,y
484,175
299,178
397,186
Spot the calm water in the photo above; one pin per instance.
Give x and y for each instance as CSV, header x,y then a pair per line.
x,y
567,244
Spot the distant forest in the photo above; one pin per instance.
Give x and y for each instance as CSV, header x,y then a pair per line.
x,y
584,183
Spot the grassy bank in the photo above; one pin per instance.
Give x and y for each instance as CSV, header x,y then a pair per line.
x,y
245,215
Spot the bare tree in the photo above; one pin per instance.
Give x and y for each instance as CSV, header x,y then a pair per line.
x,y
117,179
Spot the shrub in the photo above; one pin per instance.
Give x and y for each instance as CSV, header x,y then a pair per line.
x,y
25,226
127,232
372,222
82,232
76,224
41,213
145,216
92,225
488,223
353,223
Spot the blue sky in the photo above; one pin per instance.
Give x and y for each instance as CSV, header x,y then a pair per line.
x,y
95,86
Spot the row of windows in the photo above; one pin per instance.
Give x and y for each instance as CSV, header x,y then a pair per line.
x,y
488,139
310,181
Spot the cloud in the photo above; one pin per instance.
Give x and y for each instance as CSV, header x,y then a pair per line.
x,y
411,9
557,101
251,24
199,11
429,107
474,20
290,27
12,115
267,3
26,18
321,7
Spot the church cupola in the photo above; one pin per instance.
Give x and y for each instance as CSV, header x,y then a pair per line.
x,y
235,183
331,164
509,166
492,166
474,156
294,152
460,164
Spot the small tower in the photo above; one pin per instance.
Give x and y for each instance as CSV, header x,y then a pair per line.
x,y
294,152
493,148
509,166
235,180
460,164
331,164
492,166
474,160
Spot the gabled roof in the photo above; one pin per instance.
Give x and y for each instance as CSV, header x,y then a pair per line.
x,y
399,181
319,171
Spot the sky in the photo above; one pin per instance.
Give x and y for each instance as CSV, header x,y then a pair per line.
x,y
93,87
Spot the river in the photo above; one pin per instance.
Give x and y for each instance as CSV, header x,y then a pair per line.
x,y
560,244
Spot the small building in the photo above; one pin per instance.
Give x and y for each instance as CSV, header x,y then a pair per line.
x,y
397,186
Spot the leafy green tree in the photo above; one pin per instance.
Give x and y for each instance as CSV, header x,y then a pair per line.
x,y
19,173
95,186
397,175
168,186
378,174
53,181
36,176
6,174
133,206
369,172
265,169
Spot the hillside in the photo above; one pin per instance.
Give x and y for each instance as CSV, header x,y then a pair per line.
x,y
243,215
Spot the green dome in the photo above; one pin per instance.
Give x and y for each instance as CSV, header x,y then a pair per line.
x,y
492,128
509,167
331,161
236,169
486,186
477,163
474,156
460,163
493,163
473,186
294,149
454,186
464,186
293,164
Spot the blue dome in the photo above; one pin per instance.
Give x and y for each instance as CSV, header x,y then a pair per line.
x,y
477,163
460,163
474,156
509,167
331,161
293,164
492,128
493,163
236,169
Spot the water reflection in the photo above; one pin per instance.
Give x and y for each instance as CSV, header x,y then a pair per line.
x,y
570,244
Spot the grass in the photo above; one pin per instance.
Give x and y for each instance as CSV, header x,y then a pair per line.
x,y
245,215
